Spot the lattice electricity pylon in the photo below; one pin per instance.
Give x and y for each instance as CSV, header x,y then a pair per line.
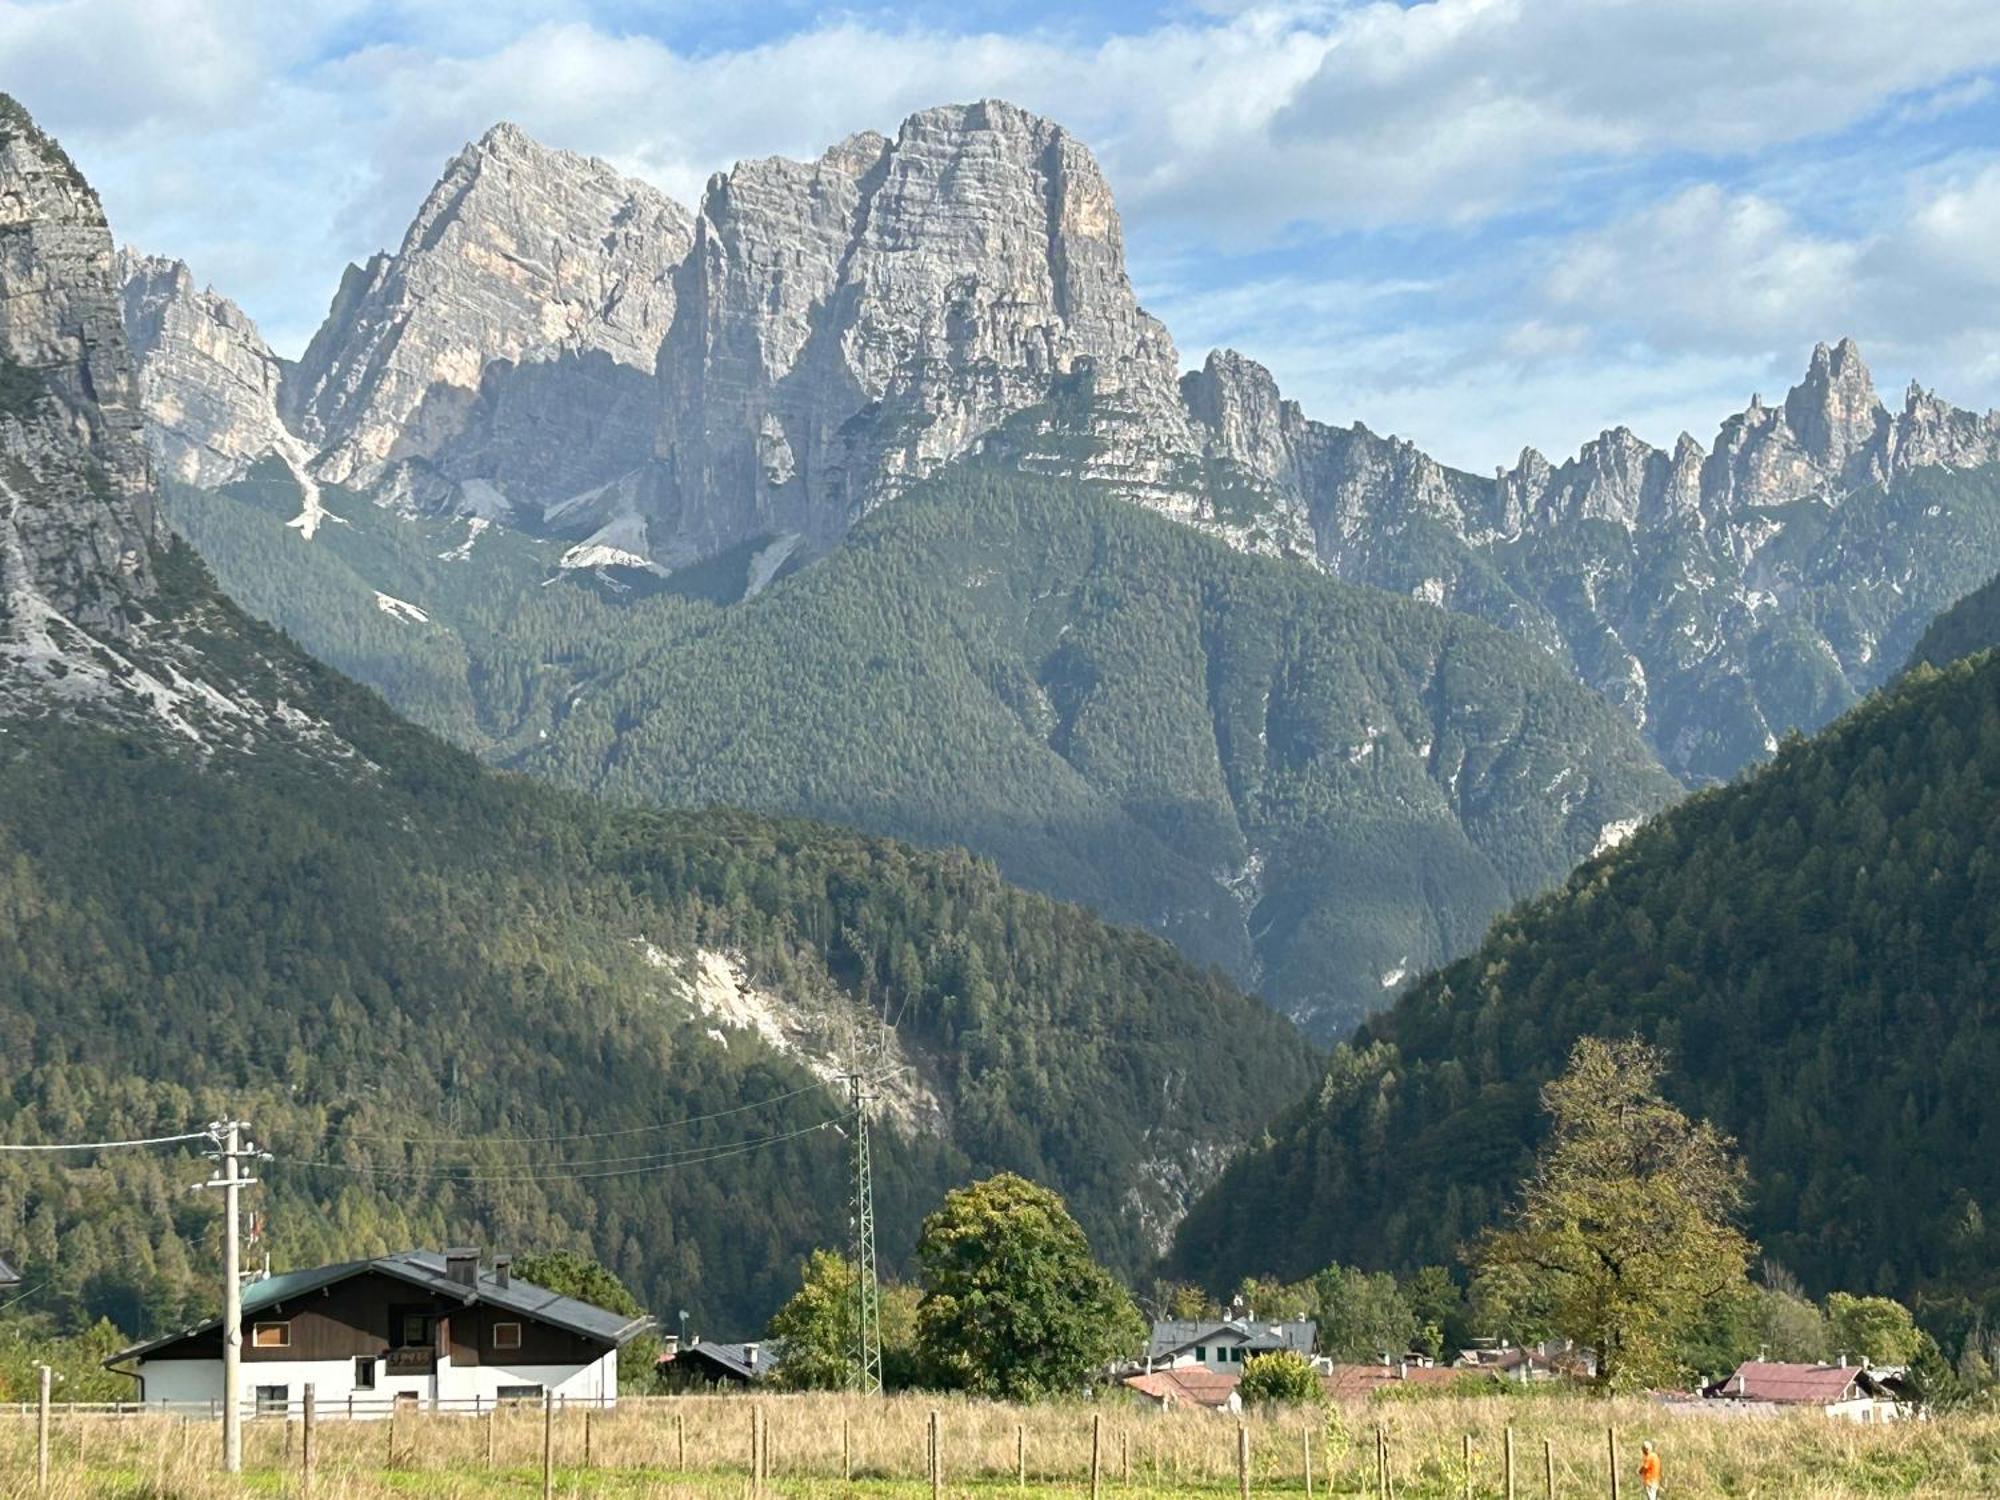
x,y
867,1372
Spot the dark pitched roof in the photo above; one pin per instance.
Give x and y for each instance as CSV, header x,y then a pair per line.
x,y
1172,1335
8,1275
426,1269
731,1360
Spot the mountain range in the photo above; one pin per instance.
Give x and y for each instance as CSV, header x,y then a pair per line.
x,y
458,1005
1812,947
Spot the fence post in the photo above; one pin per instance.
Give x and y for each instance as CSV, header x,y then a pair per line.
x,y
1243,1460
846,1449
1381,1463
1465,1461
1021,1454
42,1435
1611,1438
308,1418
1096,1454
1549,1466
1306,1451
1507,1458
681,1439
492,1434
548,1445
937,1457
587,1414
1125,1458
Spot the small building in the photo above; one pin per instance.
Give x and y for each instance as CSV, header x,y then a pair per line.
x,y
1853,1393
714,1363
412,1328
1552,1359
1223,1346
8,1275
1359,1382
1188,1386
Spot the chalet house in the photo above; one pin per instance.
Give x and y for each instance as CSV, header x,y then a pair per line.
x,y
1187,1387
416,1328
1853,1393
1223,1346
719,1364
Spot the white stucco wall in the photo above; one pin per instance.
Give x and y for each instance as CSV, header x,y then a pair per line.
x,y
197,1382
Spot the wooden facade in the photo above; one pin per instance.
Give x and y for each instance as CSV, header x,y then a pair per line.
x,y
384,1317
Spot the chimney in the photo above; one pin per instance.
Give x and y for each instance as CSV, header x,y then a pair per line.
x,y
750,1355
670,1344
1843,1359
462,1266
503,1271
1402,1369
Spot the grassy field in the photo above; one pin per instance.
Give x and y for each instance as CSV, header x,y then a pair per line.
x,y
815,1440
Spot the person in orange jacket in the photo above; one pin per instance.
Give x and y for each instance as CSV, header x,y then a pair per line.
x,y
1649,1470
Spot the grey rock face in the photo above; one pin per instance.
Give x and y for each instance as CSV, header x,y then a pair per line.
x,y
76,504
1691,588
521,256
207,380
845,326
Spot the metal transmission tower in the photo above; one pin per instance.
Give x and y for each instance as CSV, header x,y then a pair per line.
x,y
867,1290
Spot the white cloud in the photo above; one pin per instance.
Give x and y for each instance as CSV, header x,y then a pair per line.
x,y
269,144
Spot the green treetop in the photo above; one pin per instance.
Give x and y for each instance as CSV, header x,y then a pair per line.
x,y
1625,1234
1014,1306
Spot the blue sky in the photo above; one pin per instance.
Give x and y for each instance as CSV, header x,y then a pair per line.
x,y
1481,224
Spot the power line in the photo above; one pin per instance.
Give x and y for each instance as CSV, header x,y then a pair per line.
x,y
591,1135
539,1172
157,1140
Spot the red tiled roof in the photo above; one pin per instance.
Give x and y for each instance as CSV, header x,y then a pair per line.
x,y
1814,1385
1354,1382
1185,1383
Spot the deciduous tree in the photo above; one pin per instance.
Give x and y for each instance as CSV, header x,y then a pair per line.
x,y
1626,1231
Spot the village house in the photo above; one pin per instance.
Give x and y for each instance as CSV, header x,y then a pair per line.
x,y
1553,1359
1853,1393
1186,1386
415,1328
1223,1346
714,1363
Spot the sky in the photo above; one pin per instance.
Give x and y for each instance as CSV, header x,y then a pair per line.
x,y
1479,224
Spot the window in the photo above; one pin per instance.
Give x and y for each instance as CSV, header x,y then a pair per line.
x,y
1201,1352
270,1336
364,1372
519,1393
506,1335
416,1330
273,1400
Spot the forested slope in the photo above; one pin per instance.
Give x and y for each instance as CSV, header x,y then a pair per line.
x,y
1321,787
1815,946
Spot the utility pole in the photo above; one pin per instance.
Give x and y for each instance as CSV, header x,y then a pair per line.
x,y
231,1147
867,1291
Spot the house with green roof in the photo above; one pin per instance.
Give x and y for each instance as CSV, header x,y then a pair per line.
x,y
441,1332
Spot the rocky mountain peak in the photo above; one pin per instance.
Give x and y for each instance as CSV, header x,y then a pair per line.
x,y
208,381
1834,412
521,254
849,324
77,512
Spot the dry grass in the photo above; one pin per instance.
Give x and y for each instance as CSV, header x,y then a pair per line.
x,y
636,1451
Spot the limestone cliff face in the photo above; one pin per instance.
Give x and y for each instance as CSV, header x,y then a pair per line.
x,y
521,257
847,325
207,380
1687,586
76,503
